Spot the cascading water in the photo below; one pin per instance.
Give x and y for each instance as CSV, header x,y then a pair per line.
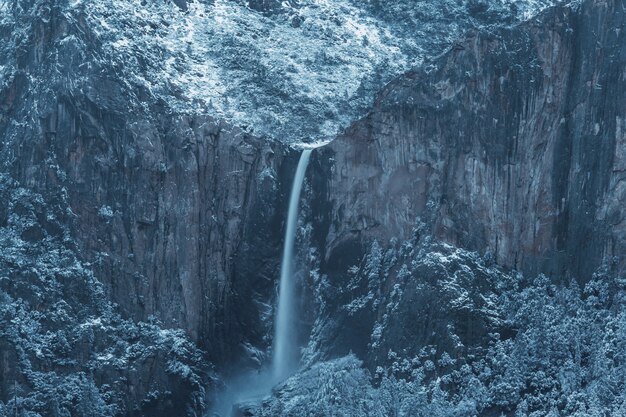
x,y
285,357
252,386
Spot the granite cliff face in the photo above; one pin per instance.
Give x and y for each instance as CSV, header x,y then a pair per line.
x,y
471,232
166,198
160,206
162,203
511,144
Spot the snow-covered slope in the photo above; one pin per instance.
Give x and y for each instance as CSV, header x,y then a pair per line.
x,y
299,69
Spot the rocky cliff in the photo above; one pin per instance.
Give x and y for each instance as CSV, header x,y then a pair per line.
x,y
141,183
161,206
162,202
510,144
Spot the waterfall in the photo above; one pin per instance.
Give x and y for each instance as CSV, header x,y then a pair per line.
x,y
251,386
286,356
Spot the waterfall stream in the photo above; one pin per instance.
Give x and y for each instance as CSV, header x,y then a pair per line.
x,y
286,357
251,386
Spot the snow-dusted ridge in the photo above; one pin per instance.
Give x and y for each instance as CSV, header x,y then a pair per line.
x,y
305,72
268,73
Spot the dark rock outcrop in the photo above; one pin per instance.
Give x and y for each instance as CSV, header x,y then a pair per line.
x,y
511,143
163,203
178,215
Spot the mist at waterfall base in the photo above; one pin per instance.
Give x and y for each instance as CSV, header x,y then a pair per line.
x,y
253,385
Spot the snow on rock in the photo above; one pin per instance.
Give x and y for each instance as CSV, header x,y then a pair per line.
x,y
66,349
305,71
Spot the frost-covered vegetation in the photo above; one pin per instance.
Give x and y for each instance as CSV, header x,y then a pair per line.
x,y
302,68
287,69
450,335
64,351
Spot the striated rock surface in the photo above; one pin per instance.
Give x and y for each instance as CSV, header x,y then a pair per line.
x,y
509,149
135,158
113,105
176,217
512,143
163,203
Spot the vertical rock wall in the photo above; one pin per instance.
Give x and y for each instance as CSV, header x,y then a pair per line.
x,y
165,204
511,143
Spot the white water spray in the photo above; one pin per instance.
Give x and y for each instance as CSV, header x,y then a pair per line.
x,y
286,356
